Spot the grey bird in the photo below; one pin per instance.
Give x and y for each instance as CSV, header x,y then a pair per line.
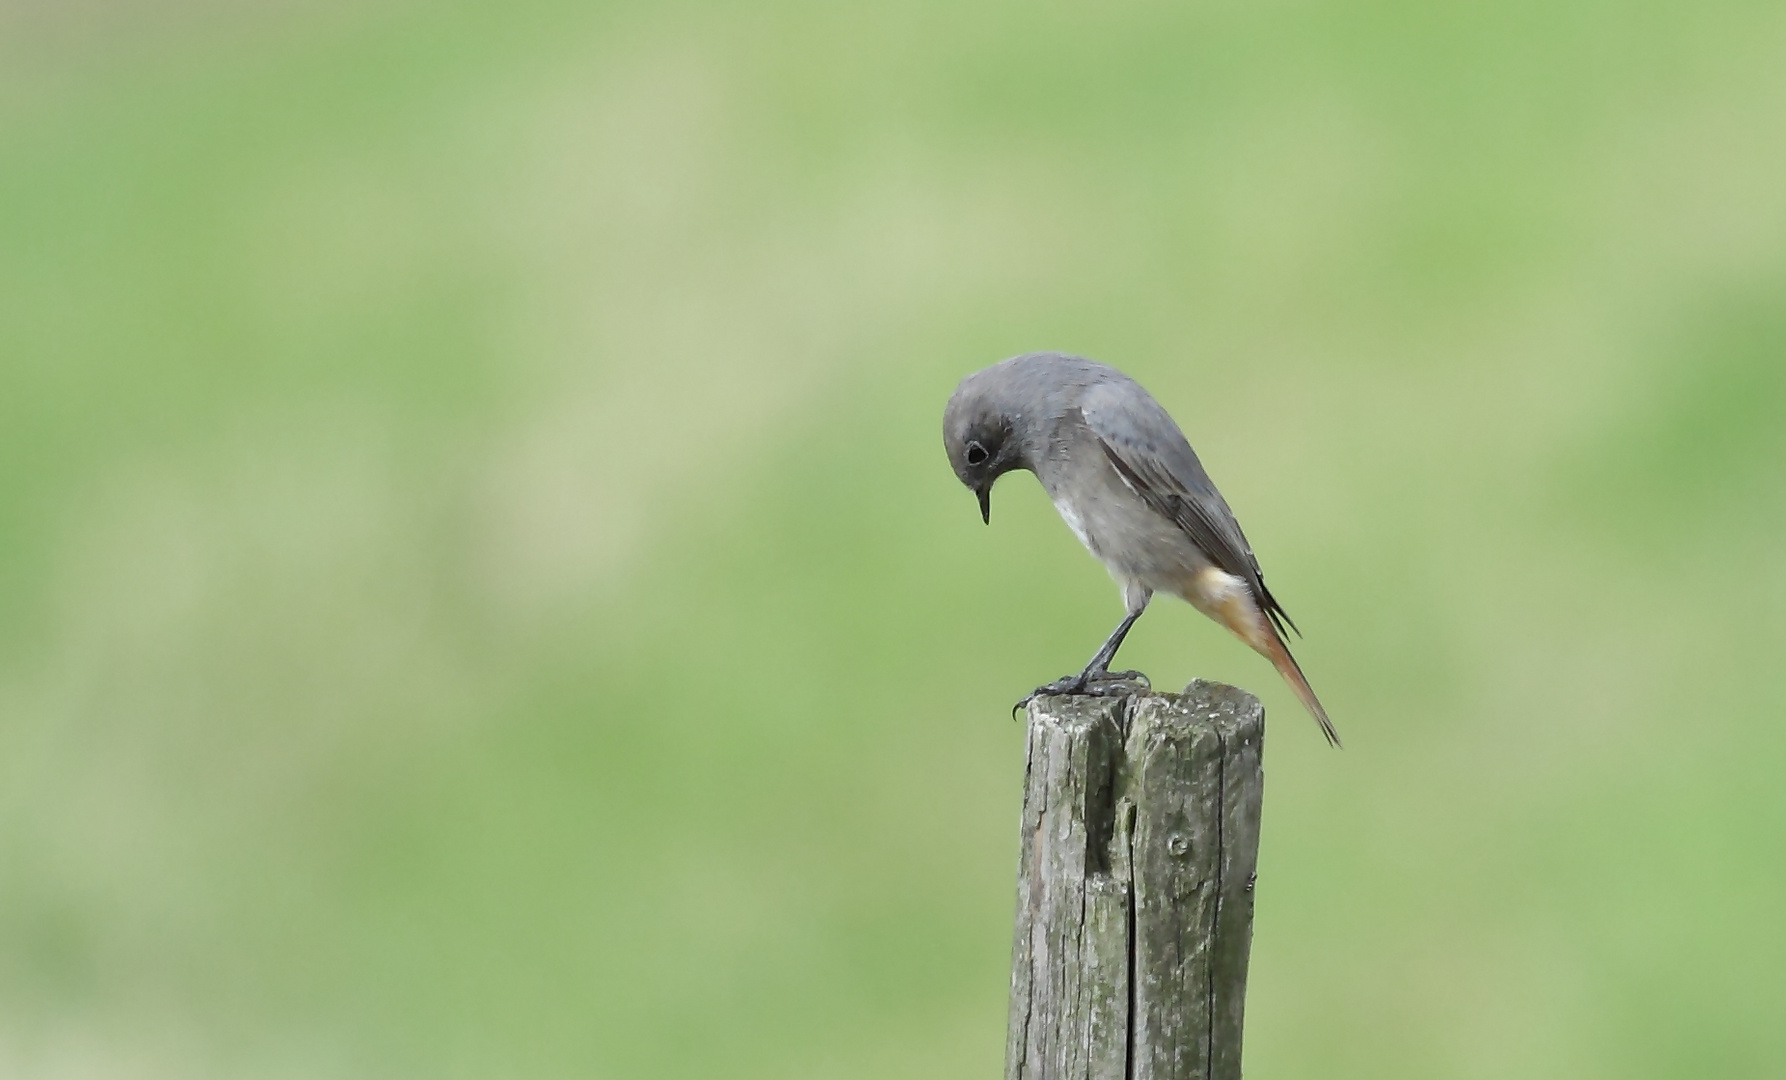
x,y
1125,480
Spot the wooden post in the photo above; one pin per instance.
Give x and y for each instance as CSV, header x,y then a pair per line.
x,y
1135,886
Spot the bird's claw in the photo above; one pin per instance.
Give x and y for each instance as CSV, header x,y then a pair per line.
x,y
1087,684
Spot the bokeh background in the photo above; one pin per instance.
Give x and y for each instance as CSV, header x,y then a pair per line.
x,y
481,594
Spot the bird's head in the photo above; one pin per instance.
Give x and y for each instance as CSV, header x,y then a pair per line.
x,y
979,433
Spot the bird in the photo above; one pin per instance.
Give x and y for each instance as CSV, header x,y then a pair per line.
x,y
1127,483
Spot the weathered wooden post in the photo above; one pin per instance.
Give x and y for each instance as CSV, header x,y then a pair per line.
x,y
1135,886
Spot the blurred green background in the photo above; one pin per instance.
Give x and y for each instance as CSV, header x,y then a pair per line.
x,y
481,593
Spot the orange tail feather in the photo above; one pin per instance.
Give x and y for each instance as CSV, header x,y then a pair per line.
x,y
1279,655
1227,600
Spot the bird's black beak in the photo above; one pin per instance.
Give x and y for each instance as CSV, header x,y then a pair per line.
x,y
985,495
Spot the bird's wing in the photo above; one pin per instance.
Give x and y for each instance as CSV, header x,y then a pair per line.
x,y
1152,456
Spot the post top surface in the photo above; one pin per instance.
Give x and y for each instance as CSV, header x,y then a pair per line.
x,y
1202,704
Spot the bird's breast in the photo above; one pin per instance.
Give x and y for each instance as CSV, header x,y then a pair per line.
x,y
1075,521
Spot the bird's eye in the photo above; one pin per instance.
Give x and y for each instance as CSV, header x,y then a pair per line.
x,y
976,454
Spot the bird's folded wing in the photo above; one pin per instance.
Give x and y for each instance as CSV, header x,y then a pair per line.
x,y
1153,457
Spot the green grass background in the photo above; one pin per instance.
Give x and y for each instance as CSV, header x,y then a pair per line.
x,y
481,594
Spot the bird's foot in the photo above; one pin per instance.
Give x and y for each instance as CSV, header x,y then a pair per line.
x,y
1089,684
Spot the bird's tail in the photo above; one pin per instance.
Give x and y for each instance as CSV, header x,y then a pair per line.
x,y
1279,655
1227,599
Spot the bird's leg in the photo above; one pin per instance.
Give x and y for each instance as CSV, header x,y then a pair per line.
x,y
1097,679
1100,661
